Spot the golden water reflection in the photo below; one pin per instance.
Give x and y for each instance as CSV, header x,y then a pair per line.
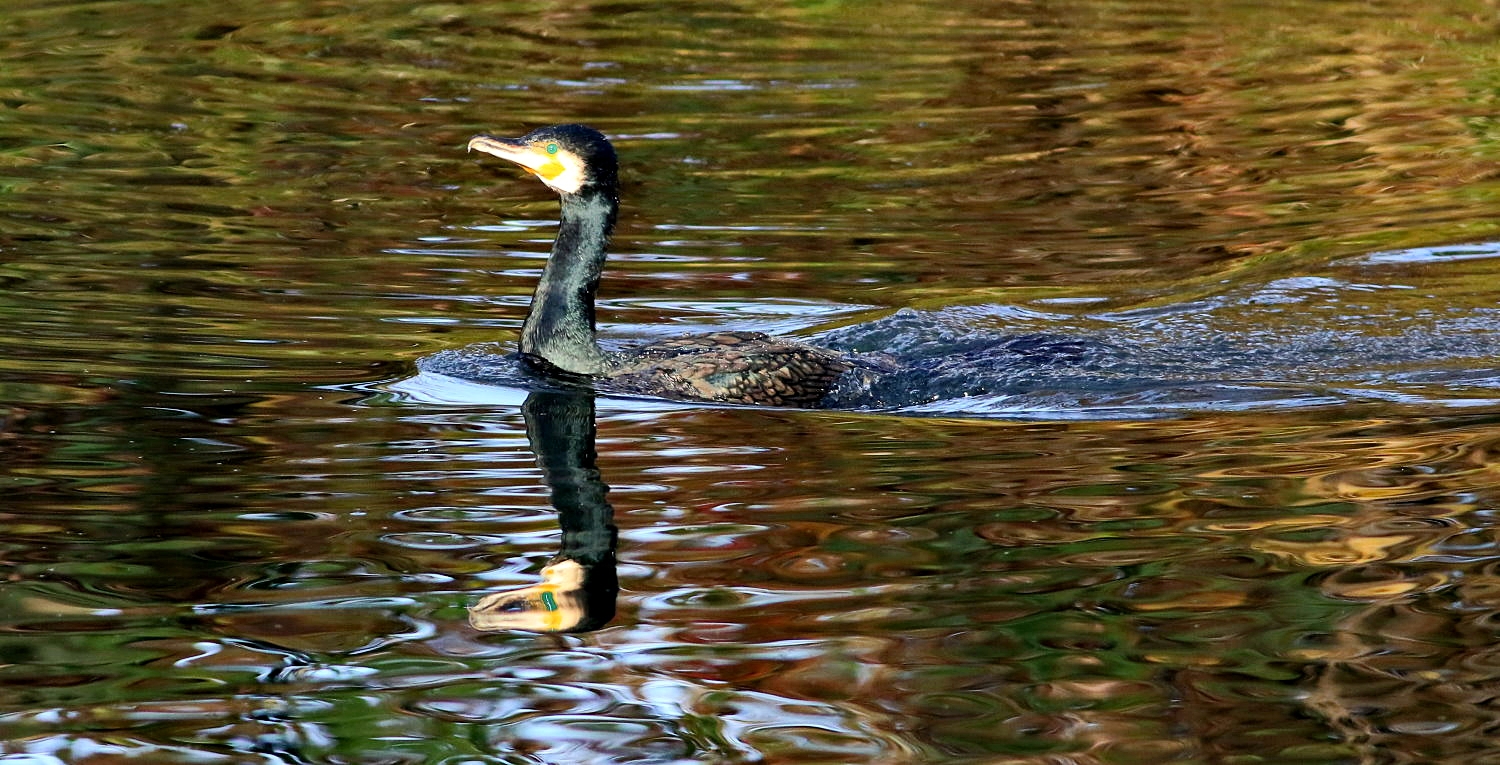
x,y
228,231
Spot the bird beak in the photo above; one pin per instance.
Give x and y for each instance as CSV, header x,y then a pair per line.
x,y
510,149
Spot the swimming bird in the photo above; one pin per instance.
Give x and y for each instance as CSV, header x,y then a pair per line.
x,y
558,337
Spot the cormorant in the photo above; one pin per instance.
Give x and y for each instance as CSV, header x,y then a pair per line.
x,y
557,338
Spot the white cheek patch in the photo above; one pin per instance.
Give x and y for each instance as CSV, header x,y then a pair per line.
x,y
564,173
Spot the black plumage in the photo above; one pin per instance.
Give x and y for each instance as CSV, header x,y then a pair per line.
x,y
558,336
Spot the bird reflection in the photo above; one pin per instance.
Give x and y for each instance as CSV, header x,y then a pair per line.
x,y
579,585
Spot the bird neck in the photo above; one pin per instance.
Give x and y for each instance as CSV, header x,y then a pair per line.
x,y
559,330
561,430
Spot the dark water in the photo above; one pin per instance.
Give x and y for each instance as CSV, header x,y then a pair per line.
x,y
1196,463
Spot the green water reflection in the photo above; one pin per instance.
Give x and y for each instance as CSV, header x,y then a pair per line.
x,y
238,527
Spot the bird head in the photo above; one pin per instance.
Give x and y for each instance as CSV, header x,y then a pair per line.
x,y
570,159
560,603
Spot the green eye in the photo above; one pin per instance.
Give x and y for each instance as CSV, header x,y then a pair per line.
x,y
551,148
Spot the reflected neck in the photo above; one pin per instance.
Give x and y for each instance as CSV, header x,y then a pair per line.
x,y
559,329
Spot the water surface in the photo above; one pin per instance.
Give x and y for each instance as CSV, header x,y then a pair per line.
x,y
1197,468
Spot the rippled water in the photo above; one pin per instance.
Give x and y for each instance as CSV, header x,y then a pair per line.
x,y
1194,464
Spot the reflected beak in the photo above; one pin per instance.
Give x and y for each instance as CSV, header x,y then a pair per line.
x,y
512,150
543,608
